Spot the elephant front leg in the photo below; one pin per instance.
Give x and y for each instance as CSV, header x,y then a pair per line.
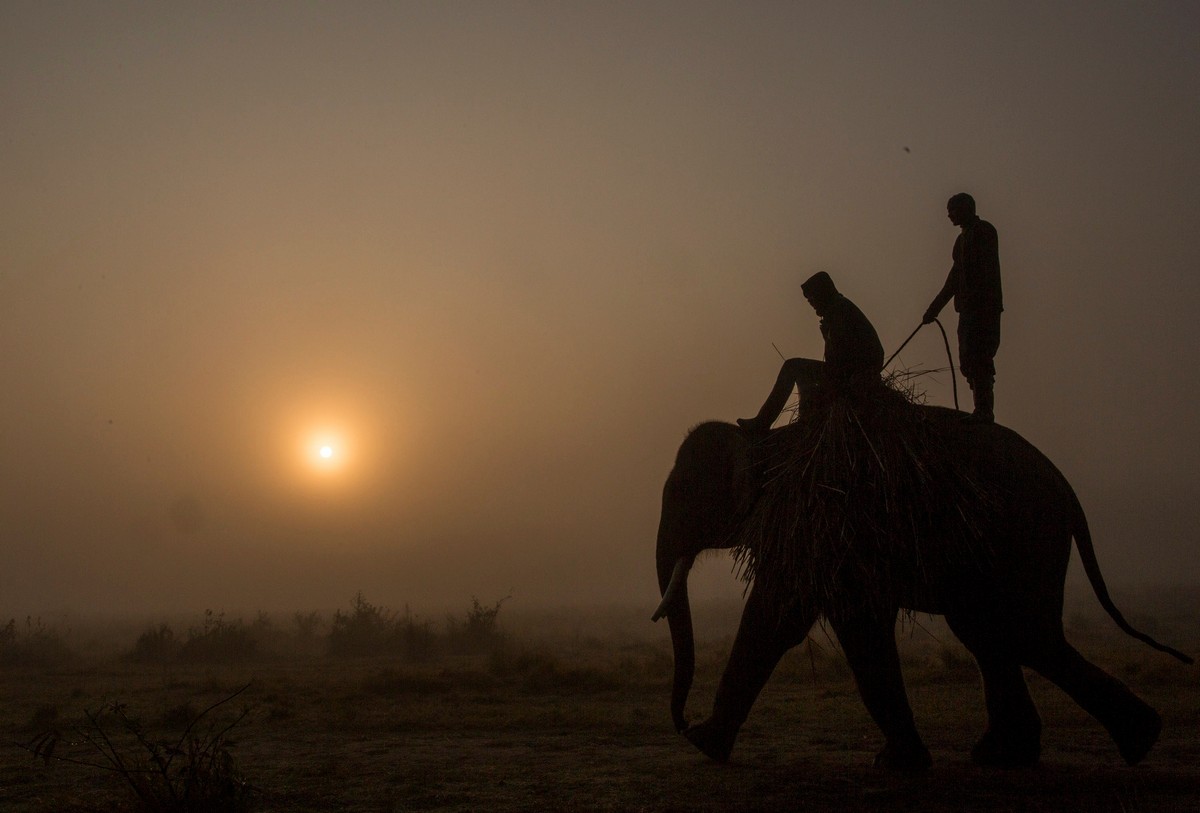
x,y
870,647
762,638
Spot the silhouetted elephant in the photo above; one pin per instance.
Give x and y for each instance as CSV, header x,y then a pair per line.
x,y
1007,610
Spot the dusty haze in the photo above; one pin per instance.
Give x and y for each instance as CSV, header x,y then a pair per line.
x,y
506,254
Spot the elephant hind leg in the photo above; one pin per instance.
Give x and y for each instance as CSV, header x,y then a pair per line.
x,y
870,647
1013,738
1133,724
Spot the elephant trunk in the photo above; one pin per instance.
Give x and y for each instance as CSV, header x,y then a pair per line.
x,y
672,583
708,489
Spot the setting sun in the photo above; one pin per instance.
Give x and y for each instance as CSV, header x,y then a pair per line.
x,y
326,450
326,446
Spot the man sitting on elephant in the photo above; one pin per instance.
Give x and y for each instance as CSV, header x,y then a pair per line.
x,y
853,353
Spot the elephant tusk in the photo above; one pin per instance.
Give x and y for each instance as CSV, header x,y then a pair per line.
x,y
678,579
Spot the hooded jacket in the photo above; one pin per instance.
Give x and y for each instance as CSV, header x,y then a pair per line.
x,y
852,346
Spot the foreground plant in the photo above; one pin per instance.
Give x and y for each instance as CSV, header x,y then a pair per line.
x,y
194,773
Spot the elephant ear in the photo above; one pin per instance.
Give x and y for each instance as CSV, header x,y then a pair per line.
x,y
745,479
714,478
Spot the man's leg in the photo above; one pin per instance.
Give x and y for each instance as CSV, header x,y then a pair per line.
x,y
978,341
984,395
802,373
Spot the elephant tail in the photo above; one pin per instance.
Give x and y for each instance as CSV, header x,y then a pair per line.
x,y
1091,566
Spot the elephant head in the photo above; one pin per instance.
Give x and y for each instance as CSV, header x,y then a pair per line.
x,y
709,491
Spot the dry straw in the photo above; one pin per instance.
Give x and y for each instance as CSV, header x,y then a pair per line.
x,y
865,498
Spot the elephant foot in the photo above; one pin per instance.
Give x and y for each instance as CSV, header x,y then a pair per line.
x,y
1135,739
714,742
998,751
911,759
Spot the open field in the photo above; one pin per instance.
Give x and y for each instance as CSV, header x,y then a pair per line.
x,y
570,713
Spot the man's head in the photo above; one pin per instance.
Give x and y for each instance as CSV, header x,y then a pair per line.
x,y
819,290
960,209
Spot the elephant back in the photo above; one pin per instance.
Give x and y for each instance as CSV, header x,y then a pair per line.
x,y
867,498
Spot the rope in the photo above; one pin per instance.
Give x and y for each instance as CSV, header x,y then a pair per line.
x,y
949,357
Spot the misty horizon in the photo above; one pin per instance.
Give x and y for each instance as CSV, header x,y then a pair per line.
x,y
500,258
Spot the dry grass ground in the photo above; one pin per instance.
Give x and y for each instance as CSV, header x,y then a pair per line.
x,y
574,717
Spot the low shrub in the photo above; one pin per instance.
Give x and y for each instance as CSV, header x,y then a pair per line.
x,y
155,645
306,625
192,772
34,646
479,631
365,630
368,629
218,640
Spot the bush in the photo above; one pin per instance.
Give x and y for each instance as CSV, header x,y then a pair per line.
x,y
36,646
218,640
480,631
416,639
368,629
365,630
155,645
193,772
306,625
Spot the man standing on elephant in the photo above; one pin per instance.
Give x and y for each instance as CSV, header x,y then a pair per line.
x,y
853,353
974,285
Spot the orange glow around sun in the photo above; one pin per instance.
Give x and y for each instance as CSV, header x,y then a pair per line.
x,y
327,450
325,447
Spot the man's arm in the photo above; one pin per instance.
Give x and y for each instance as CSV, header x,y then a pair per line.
x,y
944,296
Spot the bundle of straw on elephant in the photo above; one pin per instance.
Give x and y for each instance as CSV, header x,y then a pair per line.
x,y
857,470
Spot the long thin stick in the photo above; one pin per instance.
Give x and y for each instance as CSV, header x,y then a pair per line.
x,y
901,347
950,358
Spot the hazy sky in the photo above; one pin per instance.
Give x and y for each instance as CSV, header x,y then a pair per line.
x,y
503,255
